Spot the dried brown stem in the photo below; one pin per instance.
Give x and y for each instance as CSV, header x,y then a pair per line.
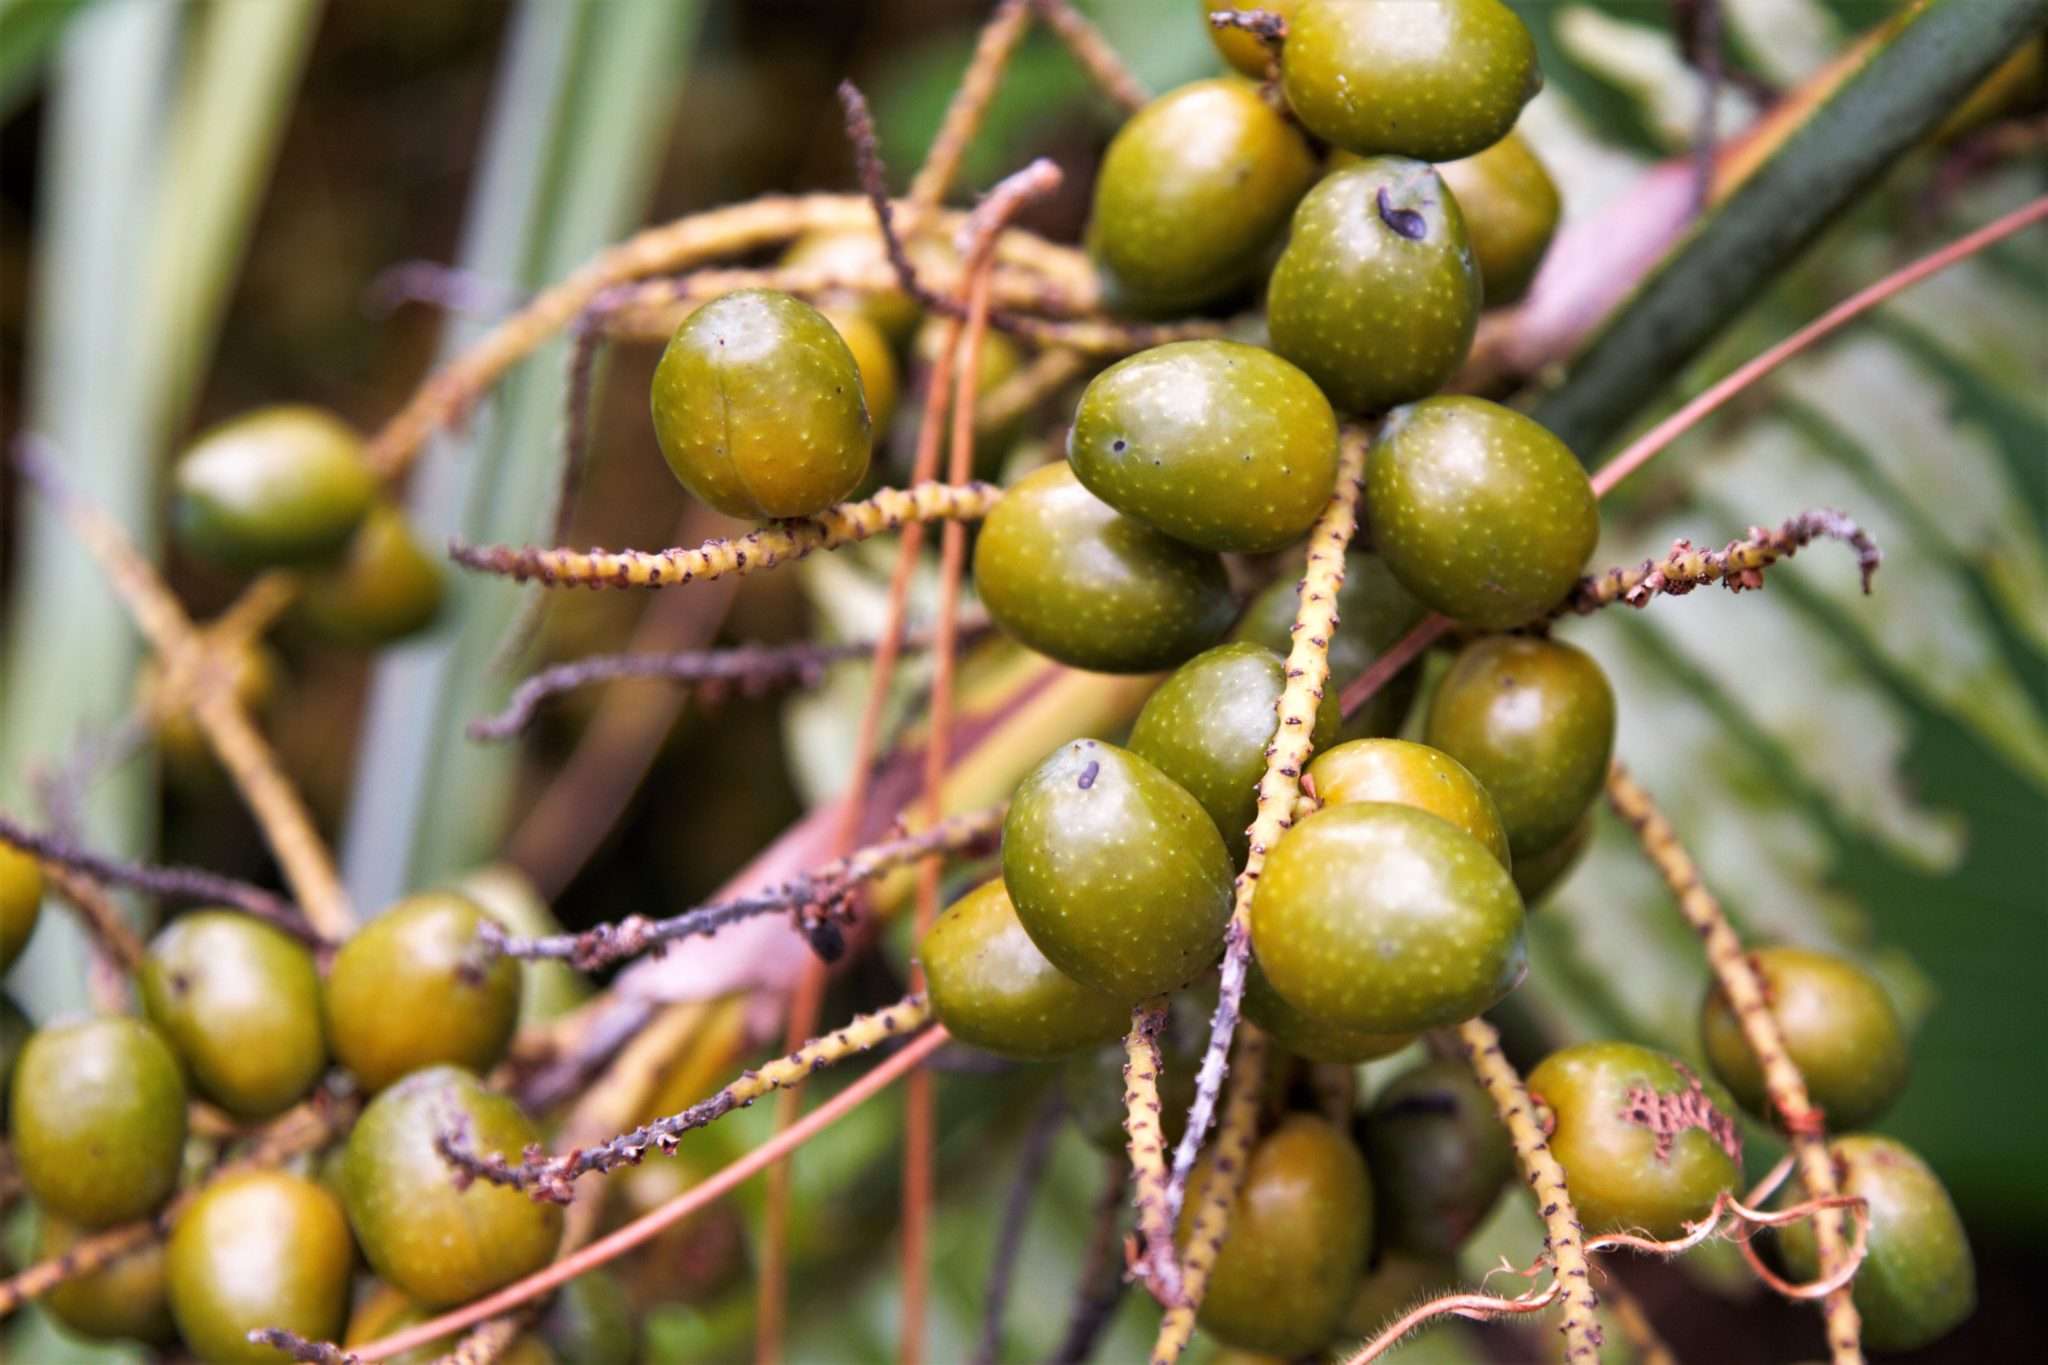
x,y
1743,985
1739,566
1101,61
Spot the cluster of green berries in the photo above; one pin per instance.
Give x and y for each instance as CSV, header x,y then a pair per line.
x,y
240,1014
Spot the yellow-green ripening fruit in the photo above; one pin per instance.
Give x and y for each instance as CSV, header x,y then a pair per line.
x,y
279,486
1410,774
880,381
96,1116
1432,79
1193,193
993,989
259,1249
21,902
759,409
384,588
1511,208
857,251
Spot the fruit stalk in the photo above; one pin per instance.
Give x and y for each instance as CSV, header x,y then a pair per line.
x,y
992,50
1219,1196
1308,672
1739,565
1566,1239
1096,56
1744,988
1160,1267
773,544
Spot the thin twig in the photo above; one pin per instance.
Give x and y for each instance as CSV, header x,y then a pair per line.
x,y
1308,672
188,884
823,893
1100,1285
1263,24
992,50
1739,566
650,1225
1101,61
1744,986
552,1178
298,1348
1564,1239
774,544
1032,1157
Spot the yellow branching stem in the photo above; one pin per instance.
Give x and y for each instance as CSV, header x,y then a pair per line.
x,y
774,544
553,1178
248,758
1744,986
1232,1155
1101,61
1738,566
992,52
1147,1136
307,1128
1562,1234
1308,672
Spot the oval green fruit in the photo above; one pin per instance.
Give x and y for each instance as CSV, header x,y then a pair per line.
x,y
759,409
97,1118
240,1003
1386,919
1305,1036
875,360
1193,192
439,1244
993,989
1069,576
1299,1236
1439,1157
1373,611
1539,874
1511,208
1840,1030
1919,1280
1435,79
1377,294
415,987
1117,873
1219,444
1479,511
857,252
384,588
280,486
1243,49
1643,1145
21,902
127,1301
1208,727
1409,774
1534,721
259,1249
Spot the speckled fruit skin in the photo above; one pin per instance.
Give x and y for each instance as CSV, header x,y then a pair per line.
x,y
1193,192
759,409
1298,1241
1373,611
1222,445
1093,1081
1534,721
1409,774
1316,1039
1066,574
1919,1281
1511,210
1479,511
1540,874
239,1002
15,1031
439,1244
1244,50
412,989
1386,919
1117,873
1611,1160
855,251
125,1302
1377,294
1435,79
993,989
880,380
21,902
97,1119
384,588
1840,1030
259,1249
1438,1155
283,485
1208,728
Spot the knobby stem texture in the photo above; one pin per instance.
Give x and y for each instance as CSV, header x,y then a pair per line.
x,y
1147,1142
1738,566
1744,986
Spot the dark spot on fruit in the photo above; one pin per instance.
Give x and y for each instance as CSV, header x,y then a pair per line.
x,y
1119,445
1406,222
1089,773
